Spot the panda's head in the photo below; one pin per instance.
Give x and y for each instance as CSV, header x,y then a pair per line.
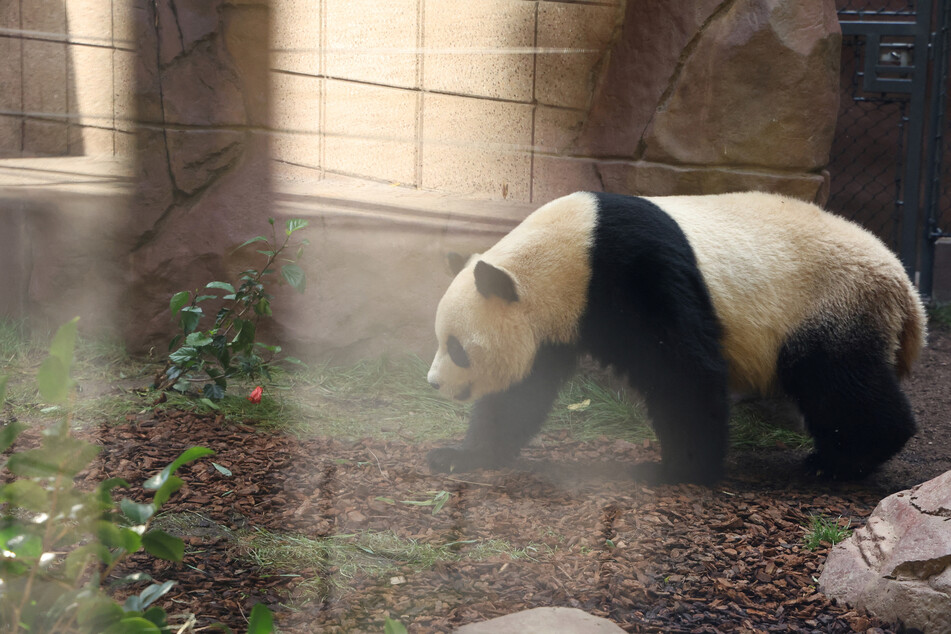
x,y
486,340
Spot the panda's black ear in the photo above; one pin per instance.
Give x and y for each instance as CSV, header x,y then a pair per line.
x,y
491,281
457,262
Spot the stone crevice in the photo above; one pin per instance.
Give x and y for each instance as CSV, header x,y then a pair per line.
x,y
674,79
920,570
178,25
161,100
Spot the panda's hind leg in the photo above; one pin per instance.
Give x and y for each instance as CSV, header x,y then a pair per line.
x,y
850,397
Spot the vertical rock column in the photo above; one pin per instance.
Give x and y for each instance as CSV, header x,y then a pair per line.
x,y
202,174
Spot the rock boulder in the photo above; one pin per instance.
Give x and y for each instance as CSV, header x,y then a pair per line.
x,y
898,566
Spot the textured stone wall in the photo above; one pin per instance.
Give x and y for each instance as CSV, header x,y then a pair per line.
x,y
401,129
65,78
202,161
526,101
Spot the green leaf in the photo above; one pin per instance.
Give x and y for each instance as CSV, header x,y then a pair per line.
x,y
223,470
9,433
133,603
138,513
245,336
191,315
393,627
261,620
25,546
162,545
157,615
178,301
212,392
173,484
251,241
133,625
183,355
53,380
294,276
34,463
197,339
266,252
154,592
189,455
224,286
75,561
64,343
202,298
98,613
113,536
295,224
440,500
263,307
25,494
131,540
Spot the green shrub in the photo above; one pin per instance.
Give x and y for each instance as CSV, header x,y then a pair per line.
x,y
228,348
823,529
58,544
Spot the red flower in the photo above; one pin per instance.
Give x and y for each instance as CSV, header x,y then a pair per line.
x,y
255,396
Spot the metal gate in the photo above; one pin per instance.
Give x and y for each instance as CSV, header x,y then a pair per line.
x,y
886,162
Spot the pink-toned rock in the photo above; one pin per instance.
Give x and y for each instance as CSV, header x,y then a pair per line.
x,y
898,566
543,621
758,86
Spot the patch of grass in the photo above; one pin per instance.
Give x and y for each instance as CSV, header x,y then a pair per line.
x,y
589,409
385,398
749,430
17,344
340,558
824,529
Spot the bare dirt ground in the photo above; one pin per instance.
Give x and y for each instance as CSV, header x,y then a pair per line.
x,y
652,559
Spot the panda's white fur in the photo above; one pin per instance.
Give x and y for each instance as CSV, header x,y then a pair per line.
x,y
774,268
501,338
772,263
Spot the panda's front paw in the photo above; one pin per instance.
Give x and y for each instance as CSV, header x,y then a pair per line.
x,y
453,460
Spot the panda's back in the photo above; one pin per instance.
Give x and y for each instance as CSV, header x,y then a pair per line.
x,y
773,263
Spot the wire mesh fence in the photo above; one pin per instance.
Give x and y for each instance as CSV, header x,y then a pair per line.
x,y
873,156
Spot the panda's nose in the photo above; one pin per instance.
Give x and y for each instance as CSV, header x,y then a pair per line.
x,y
435,384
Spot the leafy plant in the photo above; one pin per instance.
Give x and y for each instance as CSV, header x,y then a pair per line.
x,y
392,626
824,529
58,543
228,348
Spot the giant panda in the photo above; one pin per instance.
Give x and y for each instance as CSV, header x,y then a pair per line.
x,y
692,298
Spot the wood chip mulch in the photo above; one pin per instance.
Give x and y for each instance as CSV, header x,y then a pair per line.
x,y
652,559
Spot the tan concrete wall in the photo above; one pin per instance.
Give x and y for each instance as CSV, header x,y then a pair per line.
x,y
457,97
245,109
528,100
65,78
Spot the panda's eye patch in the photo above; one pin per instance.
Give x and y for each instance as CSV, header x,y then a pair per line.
x,y
457,353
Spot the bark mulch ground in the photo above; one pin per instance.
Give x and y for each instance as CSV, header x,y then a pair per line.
x,y
652,559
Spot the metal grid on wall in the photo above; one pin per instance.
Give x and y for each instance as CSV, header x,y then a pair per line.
x,y
886,160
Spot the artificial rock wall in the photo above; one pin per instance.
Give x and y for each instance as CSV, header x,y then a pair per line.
x,y
401,130
65,78
525,101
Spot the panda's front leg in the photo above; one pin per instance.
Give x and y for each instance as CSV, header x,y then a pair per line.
x,y
504,422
